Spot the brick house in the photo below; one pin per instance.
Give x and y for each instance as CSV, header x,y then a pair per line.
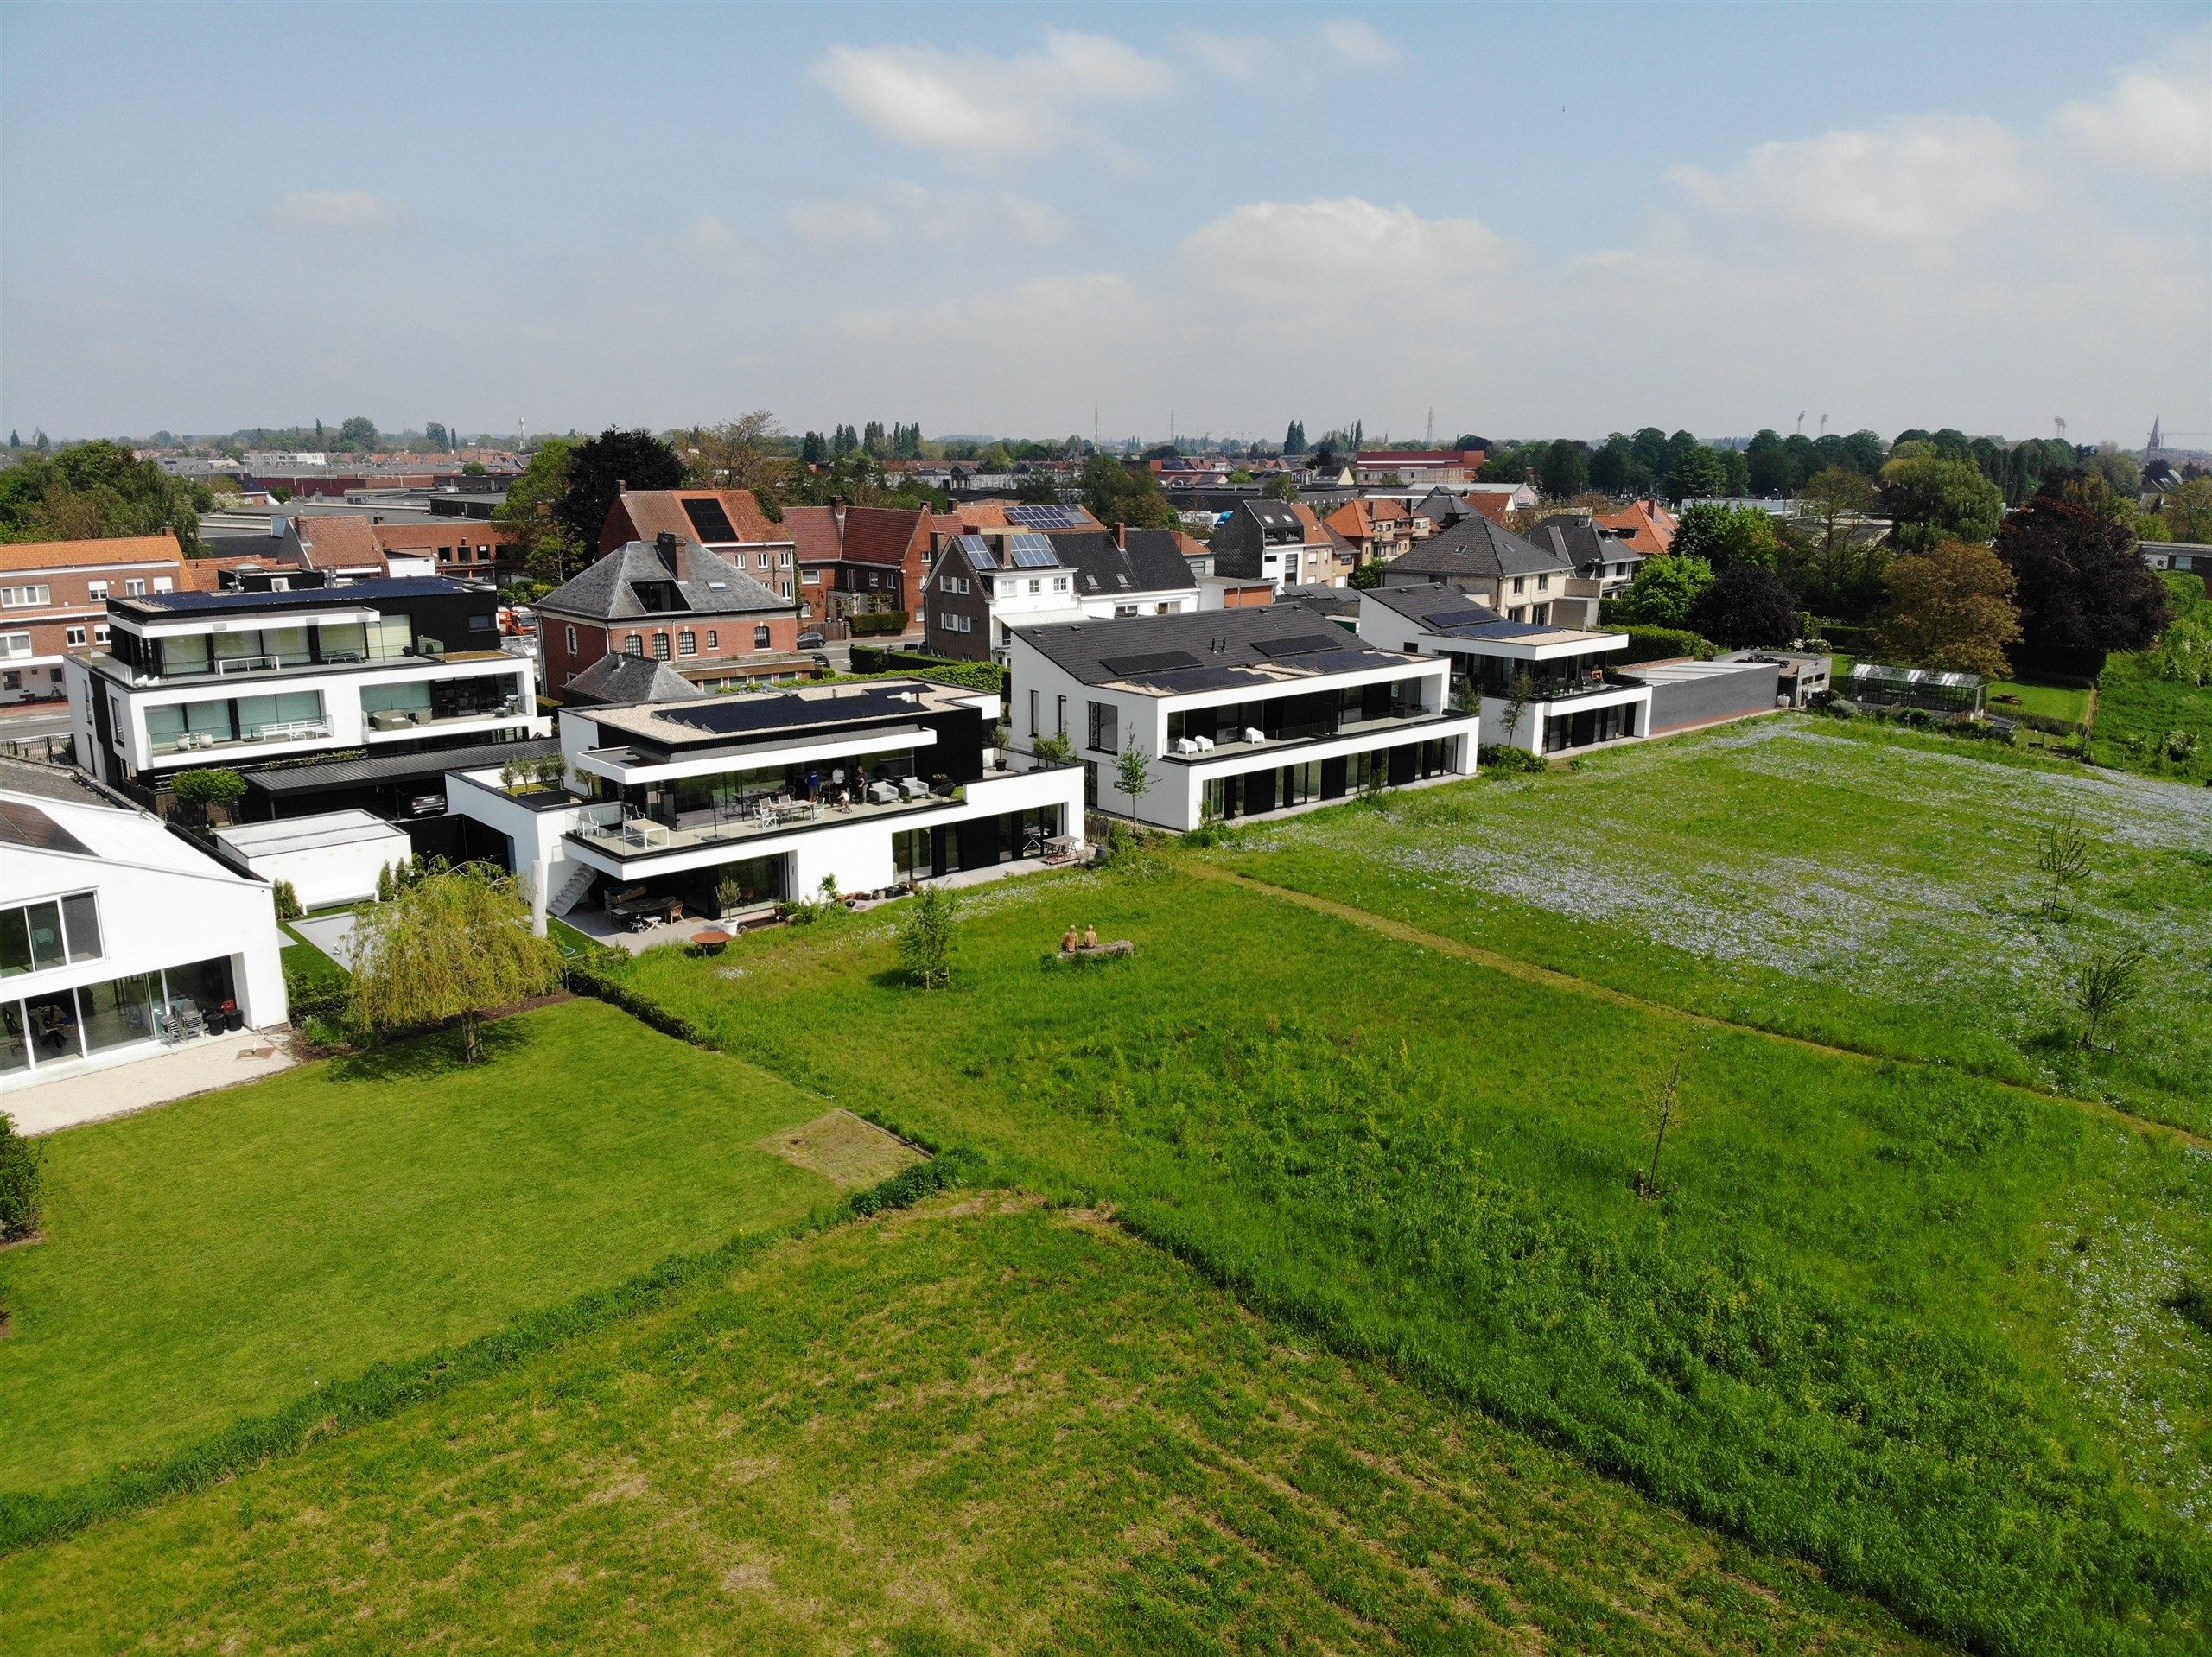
x,y
53,600
727,523
1379,528
675,601
854,559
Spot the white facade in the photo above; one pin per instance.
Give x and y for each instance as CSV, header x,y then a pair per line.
x,y
110,924
1186,781
335,857
564,846
1572,705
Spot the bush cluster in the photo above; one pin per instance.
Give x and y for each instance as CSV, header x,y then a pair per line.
x,y
1500,760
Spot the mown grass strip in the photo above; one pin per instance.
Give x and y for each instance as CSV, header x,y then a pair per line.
x,y
1552,977
385,1388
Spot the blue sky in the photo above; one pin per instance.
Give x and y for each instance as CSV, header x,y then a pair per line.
x,y
1533,219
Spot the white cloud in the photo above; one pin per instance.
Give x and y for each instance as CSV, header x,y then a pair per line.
x,y
894,208
709,232
1310,255
1360,43
1295,58
336,210
1924,180
977,106
2156,118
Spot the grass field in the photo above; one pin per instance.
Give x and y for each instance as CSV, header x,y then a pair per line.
x,y
2137,712
226,1255
1870,887
1875,1323
1888,1318
980,1425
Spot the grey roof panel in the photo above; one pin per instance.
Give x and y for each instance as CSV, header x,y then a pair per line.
x,y
350,773
1089,651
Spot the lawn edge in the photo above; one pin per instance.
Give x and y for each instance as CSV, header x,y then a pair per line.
x,y
33,1518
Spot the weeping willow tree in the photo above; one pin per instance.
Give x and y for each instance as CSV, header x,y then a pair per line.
x,y
456,942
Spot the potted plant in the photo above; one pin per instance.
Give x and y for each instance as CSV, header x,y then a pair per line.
x,y
729,896
228,1017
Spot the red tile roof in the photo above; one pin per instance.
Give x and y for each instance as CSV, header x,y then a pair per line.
x,y
108,549
1651,526
646,514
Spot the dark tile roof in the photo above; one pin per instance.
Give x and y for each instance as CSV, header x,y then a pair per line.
x,y
616,677
1578,539
705,583
1434,607
1475,546
1152,563
1152,647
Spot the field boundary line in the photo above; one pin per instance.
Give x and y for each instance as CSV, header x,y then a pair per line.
x,y
1552,978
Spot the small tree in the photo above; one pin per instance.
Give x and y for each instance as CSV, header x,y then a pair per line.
x,y
2062,855
198,789
1053,750
1663,1118
2106,981
387,884
926,939
23,1182
1133,775
449,945
1517,703
287,901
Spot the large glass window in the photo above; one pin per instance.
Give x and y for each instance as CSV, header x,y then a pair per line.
x,y
185,655
205,984
411,698
274,717
15,1046
1105,727
344,641
52,1020
32,938
119,1011
80,921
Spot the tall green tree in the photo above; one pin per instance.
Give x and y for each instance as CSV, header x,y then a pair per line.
x,y
1949,607
1726,534
1770,470
548,548
600,466
451,945
1695,472
2082,588
1565,469
1931,500
1115,493
357,434
1746,605
1667,589
91,491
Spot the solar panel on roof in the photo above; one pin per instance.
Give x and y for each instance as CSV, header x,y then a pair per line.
x,y
1448,621
21,824
1044,517
1340,661
1302,645
707,518
1188,679
1032,552
1158,661
978,550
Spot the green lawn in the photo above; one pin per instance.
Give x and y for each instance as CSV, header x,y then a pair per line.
x,y
308,967
1874,1323
2138,712
978,1426
224,1255
1868,887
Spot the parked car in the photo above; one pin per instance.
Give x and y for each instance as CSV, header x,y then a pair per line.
x,y
820,661
811,640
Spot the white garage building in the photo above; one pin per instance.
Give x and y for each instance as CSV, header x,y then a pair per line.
x,y
334,858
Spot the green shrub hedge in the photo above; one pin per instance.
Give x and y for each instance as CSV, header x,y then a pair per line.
x,y
878,621
1660,644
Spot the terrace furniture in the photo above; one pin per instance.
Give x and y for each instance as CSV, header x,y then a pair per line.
x,y
192,739
189,1015
711,940
1063,849
1186,744
1252,734
882,793
1205,744
392,719
793,811
913,787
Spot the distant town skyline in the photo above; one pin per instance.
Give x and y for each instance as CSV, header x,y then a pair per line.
x,y
1551,220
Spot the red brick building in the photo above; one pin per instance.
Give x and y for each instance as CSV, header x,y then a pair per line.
x,y
674,602
53,600
727,523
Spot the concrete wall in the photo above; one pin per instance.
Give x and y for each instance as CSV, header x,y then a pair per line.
x,y
1679,703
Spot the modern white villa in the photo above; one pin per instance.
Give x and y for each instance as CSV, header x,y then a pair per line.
x,y
1236,713
1543,688
726,805
245,678
119,937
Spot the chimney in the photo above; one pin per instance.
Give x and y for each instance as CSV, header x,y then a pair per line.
x,y
664,546
1122,536
622,486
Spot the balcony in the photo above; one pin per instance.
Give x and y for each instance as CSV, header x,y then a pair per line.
x,y
625,832
290,730
1290,736
1587,683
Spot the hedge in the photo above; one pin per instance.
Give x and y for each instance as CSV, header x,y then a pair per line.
x,y
878,621
1661,644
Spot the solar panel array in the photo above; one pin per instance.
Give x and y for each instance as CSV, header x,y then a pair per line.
x,y
21,824
1046,517
1158,661
707,518
978,550
1031,551
1301,645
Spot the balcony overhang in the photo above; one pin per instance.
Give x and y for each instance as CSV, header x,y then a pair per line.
x,y
1559,643
621,764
